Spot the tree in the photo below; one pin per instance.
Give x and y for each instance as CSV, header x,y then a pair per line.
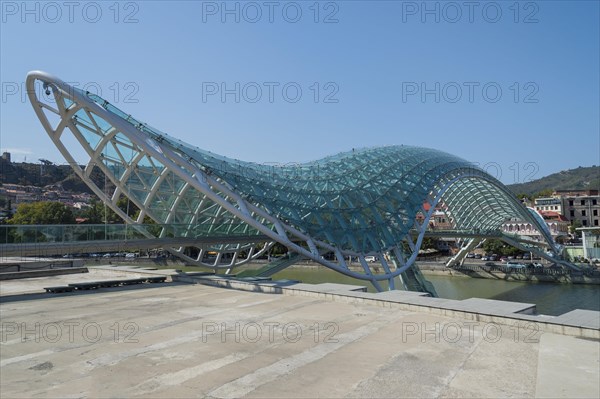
x,y
43,213
499,247
278,249
95,213
544,193
8,211
5,211
429,243
575,224
493,246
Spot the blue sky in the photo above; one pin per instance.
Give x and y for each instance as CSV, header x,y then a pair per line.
x,y
512,86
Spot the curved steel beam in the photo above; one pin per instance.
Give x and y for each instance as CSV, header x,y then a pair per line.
x,y
353,204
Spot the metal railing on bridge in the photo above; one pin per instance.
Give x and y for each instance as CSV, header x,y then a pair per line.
x,y
431,232
477,233
37,234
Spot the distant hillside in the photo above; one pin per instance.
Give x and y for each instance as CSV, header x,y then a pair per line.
x,y
31,174
35,175
587,178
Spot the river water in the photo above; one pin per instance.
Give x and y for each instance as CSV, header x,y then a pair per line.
x,y
551,299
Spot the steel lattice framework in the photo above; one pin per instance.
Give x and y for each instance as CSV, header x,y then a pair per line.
x,y
358,203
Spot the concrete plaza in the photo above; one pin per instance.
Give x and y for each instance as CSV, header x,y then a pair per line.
x,y
183,340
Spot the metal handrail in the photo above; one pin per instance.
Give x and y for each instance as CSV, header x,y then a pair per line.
x,y
31,234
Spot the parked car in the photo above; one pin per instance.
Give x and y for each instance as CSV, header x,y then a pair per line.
x,y
515,265
470,255
503,259
477,256
371,258
130,256
484,258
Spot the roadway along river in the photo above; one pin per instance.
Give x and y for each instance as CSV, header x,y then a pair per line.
x,y
551,299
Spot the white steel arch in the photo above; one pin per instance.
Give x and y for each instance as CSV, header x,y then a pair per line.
x,y
354,204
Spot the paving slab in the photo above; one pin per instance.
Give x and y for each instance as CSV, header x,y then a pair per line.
x,y
335,287
397,294
560,374
580,318
481,305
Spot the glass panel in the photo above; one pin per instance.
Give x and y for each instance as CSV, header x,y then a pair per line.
x,y
91,137
67,102
102,124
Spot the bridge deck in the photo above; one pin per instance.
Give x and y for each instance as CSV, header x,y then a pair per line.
x,y
49,240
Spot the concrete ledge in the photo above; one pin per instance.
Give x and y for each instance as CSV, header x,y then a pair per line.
x,y
137,270
578,323
42,273
330,287
216,281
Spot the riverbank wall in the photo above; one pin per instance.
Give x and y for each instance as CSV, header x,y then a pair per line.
x,y
512,276
545,275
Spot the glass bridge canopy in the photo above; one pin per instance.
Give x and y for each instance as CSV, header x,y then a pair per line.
x,y
362,201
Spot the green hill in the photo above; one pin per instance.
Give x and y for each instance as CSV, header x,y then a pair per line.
x,y
31,174
582,178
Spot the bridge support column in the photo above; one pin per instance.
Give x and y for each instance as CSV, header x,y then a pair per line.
x,y
459,258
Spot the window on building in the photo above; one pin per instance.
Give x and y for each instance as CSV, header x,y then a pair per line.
x,y
594,202
570,202
584,222
595,222
595,212
582,202
572,213
583,213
